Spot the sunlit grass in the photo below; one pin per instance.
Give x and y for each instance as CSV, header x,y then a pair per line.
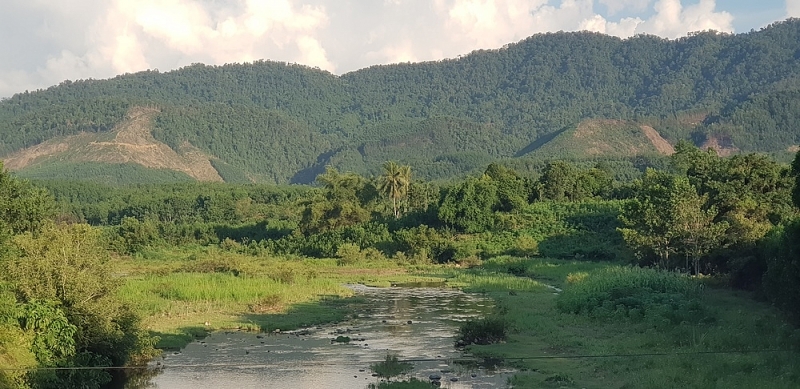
x,y
542,332
190,286
180,289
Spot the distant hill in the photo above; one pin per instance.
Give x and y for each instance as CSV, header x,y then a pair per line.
x,y
555,95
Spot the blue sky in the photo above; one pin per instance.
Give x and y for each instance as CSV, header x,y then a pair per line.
x,y
44,42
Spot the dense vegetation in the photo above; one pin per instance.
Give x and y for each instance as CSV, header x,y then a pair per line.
x,y
59,307
260,249
276,122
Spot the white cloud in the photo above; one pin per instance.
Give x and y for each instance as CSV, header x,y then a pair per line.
x,y
672,20
793,8
615,6
626,27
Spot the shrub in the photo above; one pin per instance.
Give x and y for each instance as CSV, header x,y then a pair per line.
x,y
574,278
268,304
349,253
487,330
525,246
391,367
633,292
782,279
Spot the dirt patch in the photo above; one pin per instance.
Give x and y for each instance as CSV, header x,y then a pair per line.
x,y
793,149
132,142
723,147
658,142
21,159
617,137
591,128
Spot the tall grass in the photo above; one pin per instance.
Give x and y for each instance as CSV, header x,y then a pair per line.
x,y
633,292
188,286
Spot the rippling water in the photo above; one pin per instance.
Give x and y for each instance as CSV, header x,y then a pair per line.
x,y
414,323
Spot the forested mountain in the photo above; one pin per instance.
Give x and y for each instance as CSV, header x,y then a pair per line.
x,y
277,122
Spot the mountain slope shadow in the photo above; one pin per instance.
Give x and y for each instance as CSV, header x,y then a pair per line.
x,y
540,141
309,174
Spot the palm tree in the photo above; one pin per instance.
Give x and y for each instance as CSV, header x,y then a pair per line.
x,y
395,182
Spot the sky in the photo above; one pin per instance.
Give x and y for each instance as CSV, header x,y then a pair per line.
x,y
44,42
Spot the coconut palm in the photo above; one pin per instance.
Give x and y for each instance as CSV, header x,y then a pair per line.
x,y
395,182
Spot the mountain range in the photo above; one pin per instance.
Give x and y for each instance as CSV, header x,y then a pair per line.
x,y
577,96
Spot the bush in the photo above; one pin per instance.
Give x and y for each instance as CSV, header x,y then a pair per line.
x,y
348,254
633,292
391,367
782,279
488,330
525,246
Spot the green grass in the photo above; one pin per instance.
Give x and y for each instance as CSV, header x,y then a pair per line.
x,y
558,341
412,383
590,335
187,287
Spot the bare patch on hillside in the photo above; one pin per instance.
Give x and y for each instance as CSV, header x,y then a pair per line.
x,y
693,119
21,159
610,137
132,142
723,146
658,142
793,149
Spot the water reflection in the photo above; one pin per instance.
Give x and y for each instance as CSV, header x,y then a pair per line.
x,y
416,324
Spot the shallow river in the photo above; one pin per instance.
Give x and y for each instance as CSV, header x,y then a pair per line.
x,y
416,324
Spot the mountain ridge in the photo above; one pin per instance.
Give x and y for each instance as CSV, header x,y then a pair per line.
x,y
275,122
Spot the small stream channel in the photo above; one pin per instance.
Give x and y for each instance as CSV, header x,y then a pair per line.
x,y
416,324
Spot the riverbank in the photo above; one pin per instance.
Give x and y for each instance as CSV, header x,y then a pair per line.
x,y
726,339
187,293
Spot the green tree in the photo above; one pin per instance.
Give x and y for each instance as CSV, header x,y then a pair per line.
x,y
693,226
394,183
668,216
23,207
558,181
348,199
470,205
512,190
69,265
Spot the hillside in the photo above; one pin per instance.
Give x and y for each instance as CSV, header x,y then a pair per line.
x,y
275,122
130,142
602,138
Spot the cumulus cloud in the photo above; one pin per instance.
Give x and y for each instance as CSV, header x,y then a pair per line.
x,y
57,40
793,8
615,6
673,19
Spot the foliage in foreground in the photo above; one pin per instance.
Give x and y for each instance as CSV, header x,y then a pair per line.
x,y
652,352
412,383
58,306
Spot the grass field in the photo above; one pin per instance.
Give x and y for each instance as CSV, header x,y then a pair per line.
x,y
716,343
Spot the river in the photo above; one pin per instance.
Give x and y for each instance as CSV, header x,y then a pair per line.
x,y
416,324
